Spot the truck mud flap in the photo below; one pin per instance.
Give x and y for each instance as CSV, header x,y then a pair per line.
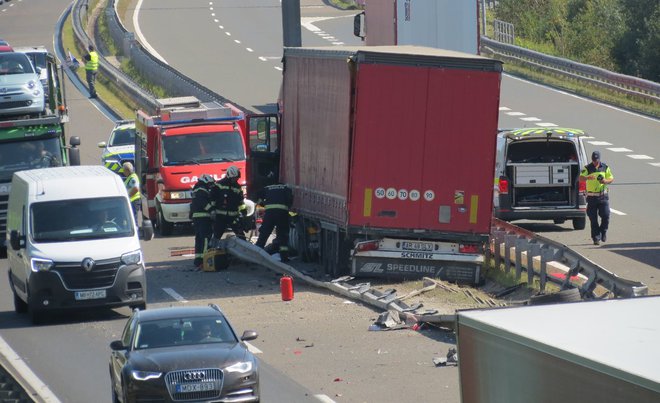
x,y
412,269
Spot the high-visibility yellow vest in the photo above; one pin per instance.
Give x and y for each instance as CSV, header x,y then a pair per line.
x,y
137,195
93,62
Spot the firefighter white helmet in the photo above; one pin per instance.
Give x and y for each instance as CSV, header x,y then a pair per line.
x,y
206,179
233,172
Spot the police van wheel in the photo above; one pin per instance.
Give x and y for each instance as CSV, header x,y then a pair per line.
x,y
165,228
579,223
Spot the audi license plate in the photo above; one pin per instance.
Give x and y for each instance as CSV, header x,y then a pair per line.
x,y
92,294
194,387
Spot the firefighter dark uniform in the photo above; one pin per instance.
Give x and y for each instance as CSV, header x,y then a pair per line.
x,y
598,175
229,202
200,213
277,200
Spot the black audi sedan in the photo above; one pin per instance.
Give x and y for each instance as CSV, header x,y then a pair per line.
x,y
179,354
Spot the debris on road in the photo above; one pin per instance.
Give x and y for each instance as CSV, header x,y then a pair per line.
x,y
450,359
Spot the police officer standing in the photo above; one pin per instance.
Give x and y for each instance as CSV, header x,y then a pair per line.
x,y
200,213
229,202
91,69
597,175
132,183
277,199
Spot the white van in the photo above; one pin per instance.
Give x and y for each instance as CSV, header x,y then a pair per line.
x,y
73,242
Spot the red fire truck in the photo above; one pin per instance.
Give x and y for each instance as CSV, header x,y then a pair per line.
x,y
184,139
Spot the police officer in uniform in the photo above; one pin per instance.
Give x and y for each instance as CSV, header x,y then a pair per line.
x,y
91,69
132,183
200,213
277,199
597,175
229,202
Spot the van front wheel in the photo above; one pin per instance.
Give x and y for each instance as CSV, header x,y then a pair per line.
x,y
19,305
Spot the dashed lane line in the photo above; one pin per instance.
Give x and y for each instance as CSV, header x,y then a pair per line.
x,y
175,295
620,150
617,212
324,398
639,157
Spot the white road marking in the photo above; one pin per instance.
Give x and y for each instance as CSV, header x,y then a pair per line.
x,y
216,20
600,143
515,114
263,59
249,49
253,349
655,164
620,150
221,26
138,33
338,43
639,157
324,398
617,212
228,33
237,41
530,119
547,124
279,68
212,14
43,392
175,295
504,108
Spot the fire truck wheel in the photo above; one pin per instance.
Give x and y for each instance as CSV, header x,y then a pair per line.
x,y
165,227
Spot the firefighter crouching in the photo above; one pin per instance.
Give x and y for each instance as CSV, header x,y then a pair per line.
x,y
200,214
229,202
277,199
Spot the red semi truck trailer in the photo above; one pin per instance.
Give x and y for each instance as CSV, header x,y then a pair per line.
x,y
389,152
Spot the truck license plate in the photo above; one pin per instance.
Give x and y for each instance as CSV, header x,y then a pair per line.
x,y
194,387
417,246
92,294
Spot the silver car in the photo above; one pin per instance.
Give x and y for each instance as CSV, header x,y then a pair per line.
x,y
21,91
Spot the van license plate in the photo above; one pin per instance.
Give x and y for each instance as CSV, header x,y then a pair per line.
x,y
93,294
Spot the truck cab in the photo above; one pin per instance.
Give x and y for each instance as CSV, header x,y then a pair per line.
x,y
183,140
536,175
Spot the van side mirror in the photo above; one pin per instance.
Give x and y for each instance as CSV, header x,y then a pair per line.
x,y
75,141
147,229
358,25
15,240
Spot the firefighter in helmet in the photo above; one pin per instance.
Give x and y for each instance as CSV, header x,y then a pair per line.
x,y
200,214
276,198
229,201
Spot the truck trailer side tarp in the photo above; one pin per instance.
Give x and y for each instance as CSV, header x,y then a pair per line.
x,y
599,351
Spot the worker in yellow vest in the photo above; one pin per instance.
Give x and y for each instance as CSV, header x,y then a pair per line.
x,y
132,183
91,68
598,176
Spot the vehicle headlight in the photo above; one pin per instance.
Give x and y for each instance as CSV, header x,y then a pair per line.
x,y
31,84
180,195
41,264
36,93
134,257
240,367
145,375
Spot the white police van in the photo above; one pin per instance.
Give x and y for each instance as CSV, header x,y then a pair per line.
x,y
537,175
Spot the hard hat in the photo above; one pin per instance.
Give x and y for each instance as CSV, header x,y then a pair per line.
x,y
206,179
233,172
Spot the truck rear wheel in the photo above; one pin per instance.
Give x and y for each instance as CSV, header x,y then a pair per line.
x,y
579,223
165,227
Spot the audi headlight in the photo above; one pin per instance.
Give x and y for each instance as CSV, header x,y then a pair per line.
x,y
145,375
240,367
41,264
134,257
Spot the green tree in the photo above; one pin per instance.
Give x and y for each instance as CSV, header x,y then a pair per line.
x,y
635,51
649,61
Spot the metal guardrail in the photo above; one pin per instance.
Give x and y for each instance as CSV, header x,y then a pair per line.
x,y
545,252
597,76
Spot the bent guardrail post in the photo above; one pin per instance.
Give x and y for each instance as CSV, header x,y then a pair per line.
x,y
521,243
533,250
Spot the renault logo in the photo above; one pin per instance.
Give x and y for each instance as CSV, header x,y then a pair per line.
x,y
88,264
194,376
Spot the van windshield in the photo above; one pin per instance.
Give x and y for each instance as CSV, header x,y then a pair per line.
x,y
72,220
